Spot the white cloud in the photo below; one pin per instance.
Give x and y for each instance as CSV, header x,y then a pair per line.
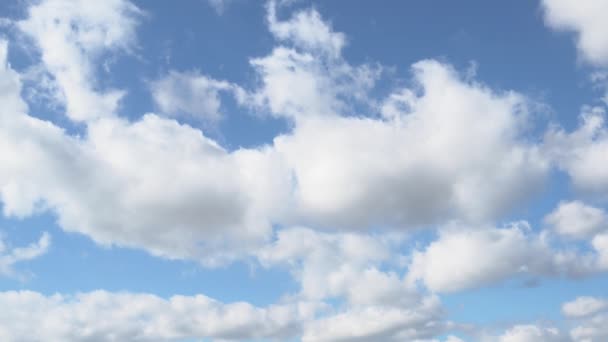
x,y
580,152
586,20
72,37
106,316
306,75
297,84
463,258
587,317
123,316
591,330
531,333
584,306
422,166
152,183
592,318
379,324
9,255
331,265
364,271
306,29
164,187
189,93
600,244
577,219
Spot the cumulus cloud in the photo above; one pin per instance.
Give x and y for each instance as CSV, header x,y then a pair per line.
x,y
152,183
379,324
586,316
578,220
532,333
591,316
464,257
307,30
422,166
9,256
160,185
364,271
72,37
107,316
584,306
586,20
330,265
581,151
306,74
190,93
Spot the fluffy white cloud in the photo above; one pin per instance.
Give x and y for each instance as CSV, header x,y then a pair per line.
x,y
580,152
586,20
425,164
122,316
152,183
163,186
591,330
105,316
364,271
379,324
464,258
587,317
592,315
306,74
72,36
298,84
9,255
577,219
584,306
190,93
307,30
600,244
531,333
330,265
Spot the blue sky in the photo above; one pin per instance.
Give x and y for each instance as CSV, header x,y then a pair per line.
x,y
289,170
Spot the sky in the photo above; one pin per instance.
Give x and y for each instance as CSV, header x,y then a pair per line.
x,y
291,170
